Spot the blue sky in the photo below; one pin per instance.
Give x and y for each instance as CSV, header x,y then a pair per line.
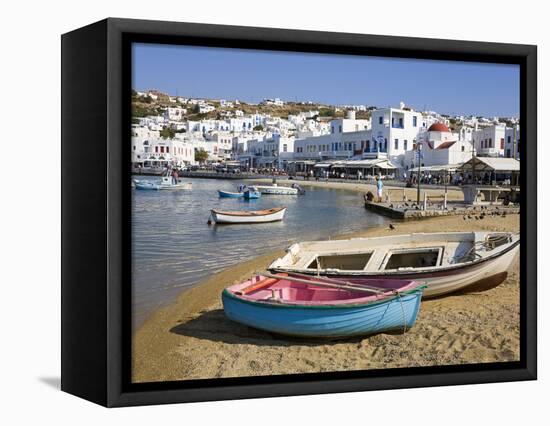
x,y
251,75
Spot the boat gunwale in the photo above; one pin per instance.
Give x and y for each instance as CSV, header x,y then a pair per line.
x,y
270,304
251,213
221,191
396,272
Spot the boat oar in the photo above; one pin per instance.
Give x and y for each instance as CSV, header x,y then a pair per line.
x,y
260,284
326,284
334,281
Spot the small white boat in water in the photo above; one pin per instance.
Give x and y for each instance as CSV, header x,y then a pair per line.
x,y
446,261
276,190
165,183
256,216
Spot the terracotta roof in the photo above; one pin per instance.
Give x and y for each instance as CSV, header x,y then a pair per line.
x,y
438,127
446,145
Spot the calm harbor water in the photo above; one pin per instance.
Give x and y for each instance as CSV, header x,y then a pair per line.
x,y
174,248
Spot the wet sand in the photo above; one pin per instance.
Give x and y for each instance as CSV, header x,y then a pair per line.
x,y
192,339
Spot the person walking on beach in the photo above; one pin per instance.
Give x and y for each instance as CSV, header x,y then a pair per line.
x,y
379,188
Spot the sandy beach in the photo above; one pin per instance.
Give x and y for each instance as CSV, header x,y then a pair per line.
x,y
396,192
192,339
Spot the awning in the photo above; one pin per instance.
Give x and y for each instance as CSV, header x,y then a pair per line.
x,y
301,161
493,164
436,168
365,164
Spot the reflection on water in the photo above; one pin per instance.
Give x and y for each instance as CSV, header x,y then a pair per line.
x,y
173,247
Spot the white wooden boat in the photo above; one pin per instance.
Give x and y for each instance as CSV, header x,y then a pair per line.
x,y
165,183
256,216
446,262
276,190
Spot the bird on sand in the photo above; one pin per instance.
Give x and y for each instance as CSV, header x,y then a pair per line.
x,y
391,227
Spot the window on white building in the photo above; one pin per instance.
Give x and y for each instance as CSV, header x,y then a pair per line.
x,y
414,122
284,147
405,144
380,120
396,144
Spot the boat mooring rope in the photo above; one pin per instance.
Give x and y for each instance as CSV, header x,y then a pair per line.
x,y
403,312
491,242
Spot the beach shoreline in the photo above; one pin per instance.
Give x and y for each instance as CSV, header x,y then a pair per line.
x,y
191,338
454,193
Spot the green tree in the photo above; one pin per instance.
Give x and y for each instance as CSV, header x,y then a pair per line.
x,y
167,133
326,112
259,127
201,155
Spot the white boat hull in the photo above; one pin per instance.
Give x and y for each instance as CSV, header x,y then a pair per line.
x,y
488,270
221,217
276,190
163,185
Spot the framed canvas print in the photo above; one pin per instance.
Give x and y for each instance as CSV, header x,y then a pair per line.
x,y
254,212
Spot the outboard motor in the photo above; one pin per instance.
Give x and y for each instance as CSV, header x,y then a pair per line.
x,y
301,190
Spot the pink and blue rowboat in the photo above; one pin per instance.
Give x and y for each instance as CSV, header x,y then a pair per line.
x,y
321,307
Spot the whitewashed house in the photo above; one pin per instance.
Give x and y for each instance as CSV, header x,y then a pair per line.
x,y
511,142
395,131
175,113
489,141
275,102
273,151
206,108
439,147
160,152
348,137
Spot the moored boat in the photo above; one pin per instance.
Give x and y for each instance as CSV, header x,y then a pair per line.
x,y
446,261
251,193
321,307
229,194
276,190
254,216
165,183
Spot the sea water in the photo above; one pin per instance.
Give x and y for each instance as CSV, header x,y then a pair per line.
x,y
174,248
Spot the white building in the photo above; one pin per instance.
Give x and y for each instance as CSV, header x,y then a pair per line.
x,y
395,131
439,147
348,137
511,148
161,152
223,144
206,108
273,151
174,113
490,141
275,102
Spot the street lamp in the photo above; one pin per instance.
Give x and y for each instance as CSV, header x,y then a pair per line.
x,y
418,155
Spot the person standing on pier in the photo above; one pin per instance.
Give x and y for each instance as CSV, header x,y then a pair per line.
x,y
379,188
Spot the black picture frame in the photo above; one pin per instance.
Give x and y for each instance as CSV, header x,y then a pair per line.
x,y
96,88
